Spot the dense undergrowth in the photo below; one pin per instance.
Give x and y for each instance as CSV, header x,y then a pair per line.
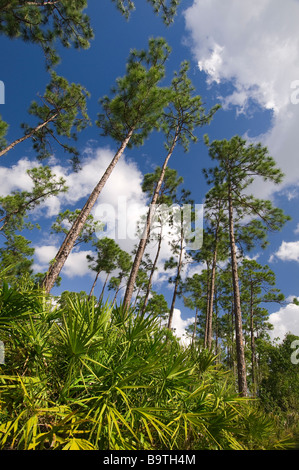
x,y
78,375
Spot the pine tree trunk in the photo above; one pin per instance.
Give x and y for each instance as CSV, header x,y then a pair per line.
x,y
252,342
195,327
93,285
79,223
207,307
115,296
143,240
103,289
148,289
217,349
176,282
241,365
211,296
27,136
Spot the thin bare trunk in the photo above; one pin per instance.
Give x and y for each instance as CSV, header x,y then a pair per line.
x,y
103,289
242,380
211,299
195,327
207,307
144,238
176,285
79,223
27,136
115,295
93,285
148,289
252,342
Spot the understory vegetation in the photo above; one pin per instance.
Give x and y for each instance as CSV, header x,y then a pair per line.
x,y
82,375
106,369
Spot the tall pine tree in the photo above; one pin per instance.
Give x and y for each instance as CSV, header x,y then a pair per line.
x,y
237,164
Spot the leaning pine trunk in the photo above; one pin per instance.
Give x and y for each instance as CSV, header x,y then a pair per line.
x,y
143,240
195,328
241,365
79,223
27,136
176,282
148,289
208,305
93,285
253,355
211,300
103,289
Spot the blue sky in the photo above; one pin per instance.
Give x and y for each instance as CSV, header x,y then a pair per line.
x,y
243,55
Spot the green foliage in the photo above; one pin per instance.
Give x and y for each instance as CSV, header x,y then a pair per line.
x,y
44,22
238,164
14,208
280,388
3,131
16,255
166,8
85,376
65,219
137,101
185,112
169,186
62,112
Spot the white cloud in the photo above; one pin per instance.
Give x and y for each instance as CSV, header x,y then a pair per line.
x,y
288,251
16,177
75,265
253,46
179,325
286,320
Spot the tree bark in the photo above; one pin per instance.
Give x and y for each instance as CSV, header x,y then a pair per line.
x,y
27,136
93,285
208,305
176,282
211,297
143,240
241,365
148,289
79,223
195,327
252,341
103,289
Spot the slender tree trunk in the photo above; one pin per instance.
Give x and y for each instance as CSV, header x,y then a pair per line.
x,y
208,306
195,327
115,295
180,262
232,349
211,296
27,136
143,240
103,289
217,349
252,342
241,365
136,298
148,289
93,285
79,223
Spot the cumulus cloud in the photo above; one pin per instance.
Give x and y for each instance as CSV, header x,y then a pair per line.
x,y
288,251
286,320
253,46
15,178
179,325
120,206
76,264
